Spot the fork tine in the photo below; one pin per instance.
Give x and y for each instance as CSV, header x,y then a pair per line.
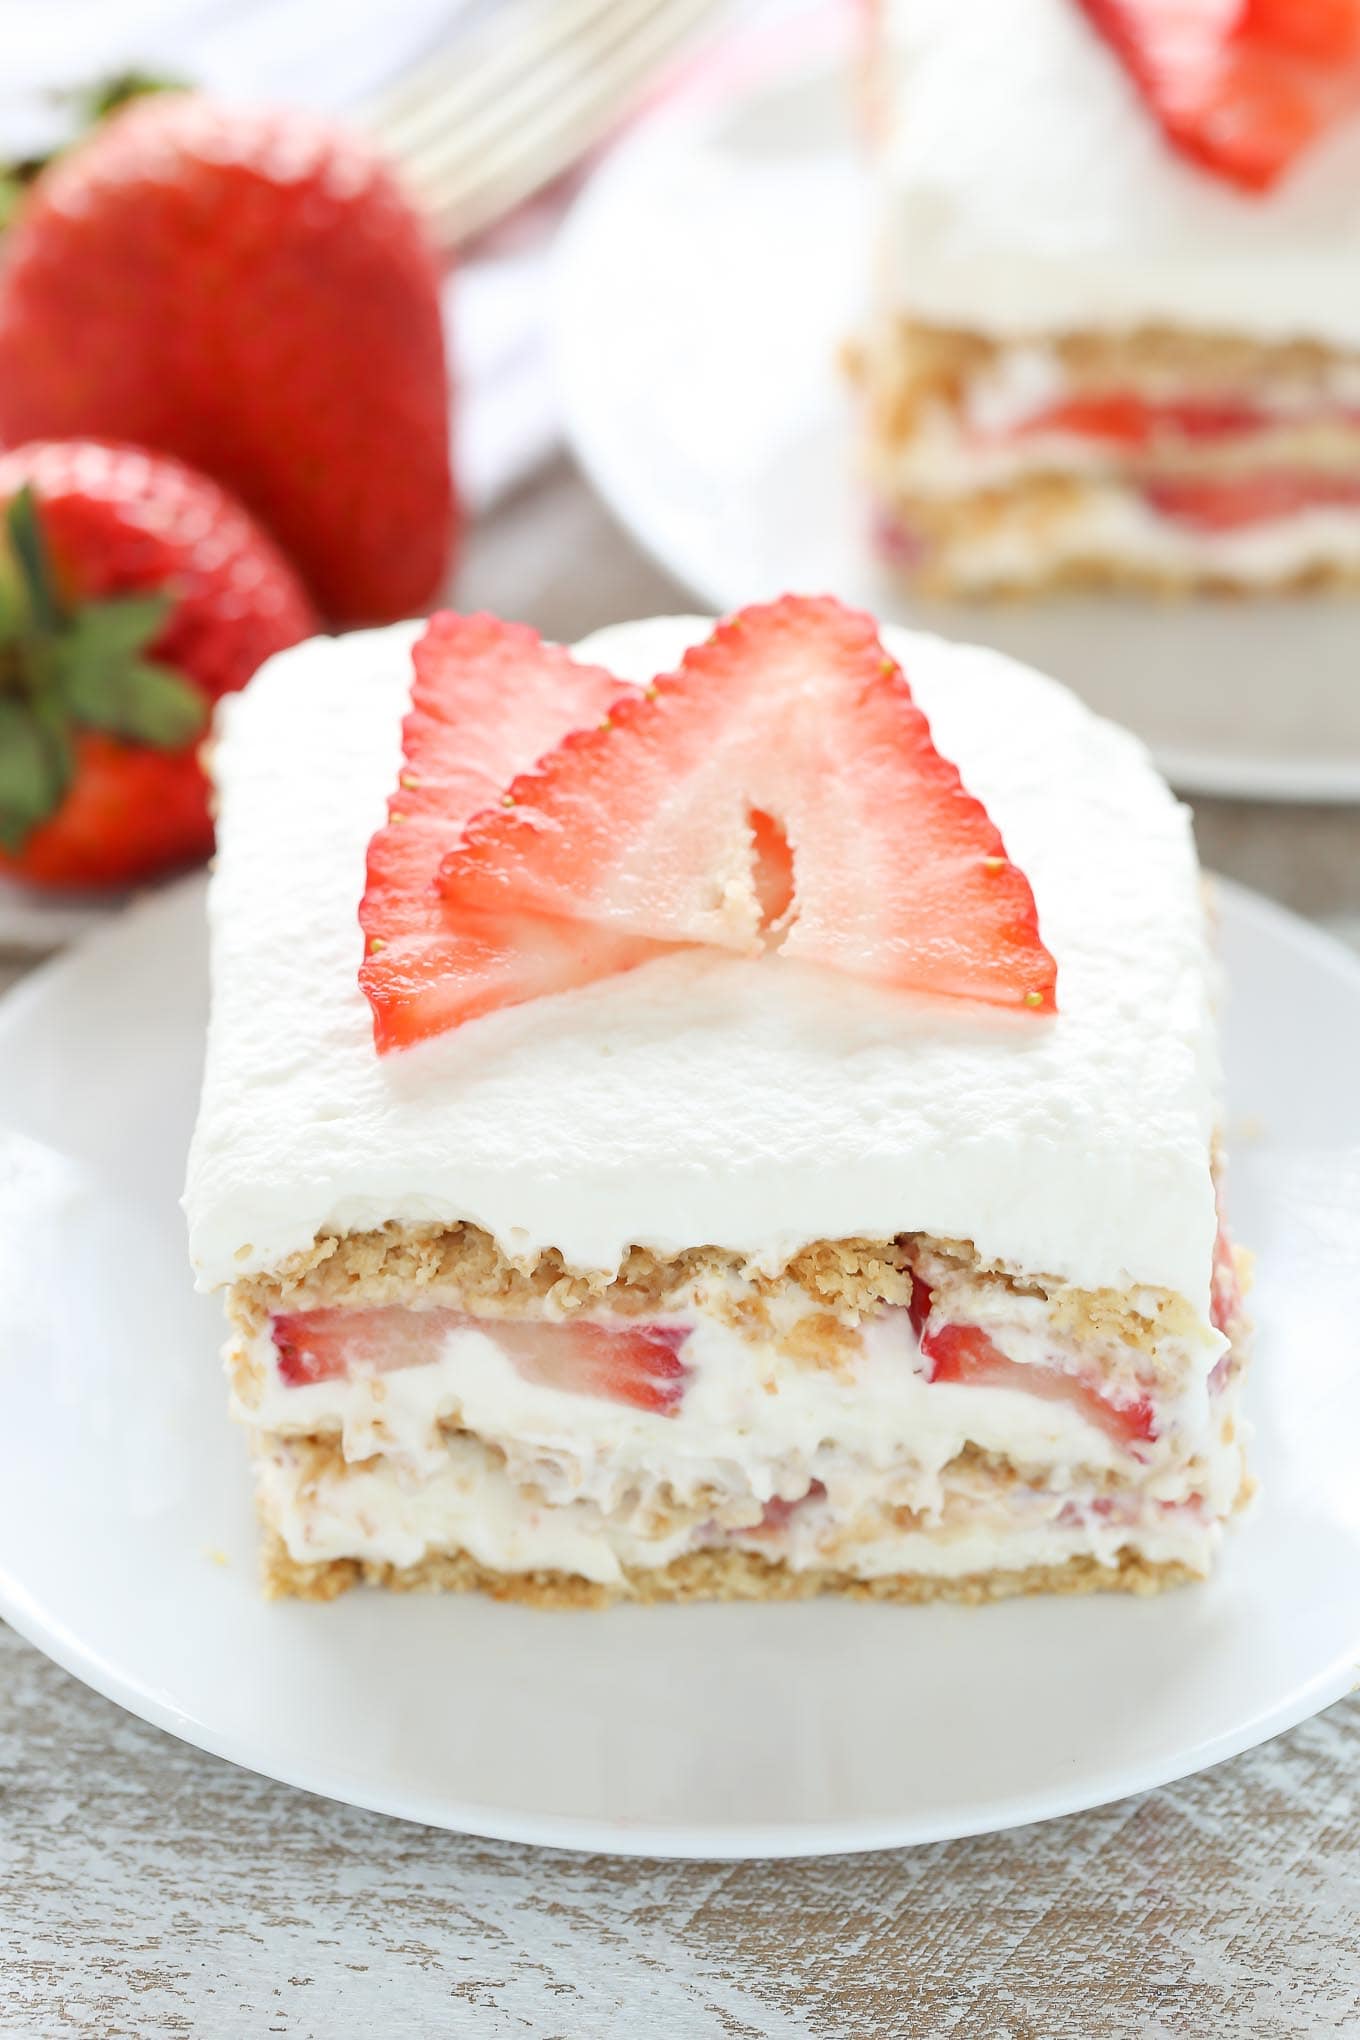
x,y
466,180
482,126
463,128
459,82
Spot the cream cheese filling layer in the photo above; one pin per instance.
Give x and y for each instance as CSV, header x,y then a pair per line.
x,y
474,1505
756,1423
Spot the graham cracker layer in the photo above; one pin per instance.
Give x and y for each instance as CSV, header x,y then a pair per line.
x,y
906,365
463,1267
708,1576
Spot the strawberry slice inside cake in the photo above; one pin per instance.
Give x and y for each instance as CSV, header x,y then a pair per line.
x,y
757,1139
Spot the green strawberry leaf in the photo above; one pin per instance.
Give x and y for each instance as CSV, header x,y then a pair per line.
x,y
95,102
133,698
13,601
13,185
35,771
102,637
29,547
87,105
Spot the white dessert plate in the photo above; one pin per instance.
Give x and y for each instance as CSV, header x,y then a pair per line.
x,y
127,1547
707,279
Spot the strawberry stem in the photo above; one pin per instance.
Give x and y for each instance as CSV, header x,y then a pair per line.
x,y
89,104
67,666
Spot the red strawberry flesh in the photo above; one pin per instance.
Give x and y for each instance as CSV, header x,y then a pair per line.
x,y
1241,89
1236,502
638,1363
1126,418
337,1345
489,698
782,772
965,1355
251,291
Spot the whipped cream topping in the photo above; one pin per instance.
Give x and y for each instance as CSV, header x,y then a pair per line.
x,y
1027,189
706,1099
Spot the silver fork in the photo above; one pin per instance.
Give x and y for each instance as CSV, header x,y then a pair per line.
x,y
519,98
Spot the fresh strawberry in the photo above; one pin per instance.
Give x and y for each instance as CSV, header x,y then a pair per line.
x,y
1128,419
633,1363
489,699
132,593
964,1353
783,769
637,1364
252,292
1233,502
1241,90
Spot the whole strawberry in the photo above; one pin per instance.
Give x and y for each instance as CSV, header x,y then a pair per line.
x,y
252,292
133,592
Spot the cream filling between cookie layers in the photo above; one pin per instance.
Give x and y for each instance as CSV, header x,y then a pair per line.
x,y
1104,524
472,1504
763,1444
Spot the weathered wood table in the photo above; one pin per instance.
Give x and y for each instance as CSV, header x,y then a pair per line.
x,y
146,1889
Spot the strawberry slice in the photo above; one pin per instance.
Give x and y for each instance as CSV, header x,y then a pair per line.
x,y
1127,419
1232,503
1240,89
489,698
335,1345
781,789
1327,31
630,1363
965,1354
637,1364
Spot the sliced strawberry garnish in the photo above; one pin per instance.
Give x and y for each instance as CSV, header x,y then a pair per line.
x,y
1126,419
781,789
489,698
636,1364
1240,89
334,1345
1231,503
965,1354
1328,31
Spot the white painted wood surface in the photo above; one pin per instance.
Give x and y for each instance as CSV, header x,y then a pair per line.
x,y
147,1889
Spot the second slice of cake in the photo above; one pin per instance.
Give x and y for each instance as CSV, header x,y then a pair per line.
x,y
756,1160
1117,330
